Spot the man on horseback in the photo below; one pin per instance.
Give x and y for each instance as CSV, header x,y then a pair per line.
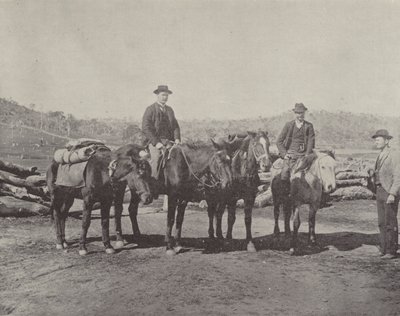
x,y
296,141
160,127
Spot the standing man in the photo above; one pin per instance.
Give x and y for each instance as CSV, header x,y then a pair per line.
x,y
387,181
296,140
160,126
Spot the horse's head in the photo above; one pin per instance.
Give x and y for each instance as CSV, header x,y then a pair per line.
x,y
142,182
136,171
326,165
220,165
259,146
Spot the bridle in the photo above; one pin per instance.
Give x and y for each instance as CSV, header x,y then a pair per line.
x,y
215,182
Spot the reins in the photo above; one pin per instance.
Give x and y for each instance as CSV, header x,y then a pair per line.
x,y
216,183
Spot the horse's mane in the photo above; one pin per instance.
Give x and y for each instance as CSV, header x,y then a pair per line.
x,y
129,150
196,145
328,152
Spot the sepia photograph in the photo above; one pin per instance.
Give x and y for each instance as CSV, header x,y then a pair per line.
x,y
199,157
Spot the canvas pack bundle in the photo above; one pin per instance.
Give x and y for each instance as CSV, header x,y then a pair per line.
x,y
65,156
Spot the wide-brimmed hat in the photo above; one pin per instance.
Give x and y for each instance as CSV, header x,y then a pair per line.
x,y
299,108
162,89
382,133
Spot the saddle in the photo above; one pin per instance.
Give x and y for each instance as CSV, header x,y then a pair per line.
x,y
303,165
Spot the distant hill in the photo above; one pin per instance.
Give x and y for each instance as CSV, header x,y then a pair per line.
x,y
338,130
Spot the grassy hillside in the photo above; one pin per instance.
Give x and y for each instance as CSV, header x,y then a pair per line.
x,y
338,130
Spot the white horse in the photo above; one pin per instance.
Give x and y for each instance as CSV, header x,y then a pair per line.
x,y
306,188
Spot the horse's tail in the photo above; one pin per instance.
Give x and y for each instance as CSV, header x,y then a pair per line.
x,y
51,176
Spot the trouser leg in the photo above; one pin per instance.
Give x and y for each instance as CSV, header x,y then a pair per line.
x,y
154,161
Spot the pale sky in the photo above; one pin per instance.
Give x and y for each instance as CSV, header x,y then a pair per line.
x,y
222,59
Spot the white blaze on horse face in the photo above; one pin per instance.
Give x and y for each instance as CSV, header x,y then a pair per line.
x,y
328,174
111,167
264,163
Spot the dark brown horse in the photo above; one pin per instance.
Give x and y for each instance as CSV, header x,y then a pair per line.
x,y
248,153
98,188
193,173
125,160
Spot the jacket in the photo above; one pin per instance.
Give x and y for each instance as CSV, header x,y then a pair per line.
x,y
388,170
151,123
285,137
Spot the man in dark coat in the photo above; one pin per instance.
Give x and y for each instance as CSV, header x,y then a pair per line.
x,y
387,182
160,126
296,140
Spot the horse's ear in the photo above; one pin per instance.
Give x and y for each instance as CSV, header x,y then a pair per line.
x,y
216,145
251,134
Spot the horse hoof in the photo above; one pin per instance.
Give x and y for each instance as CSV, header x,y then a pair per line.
x,y
250,247
65,245
59,247
119,244
292,252
171,252
178,249
83,252
110,251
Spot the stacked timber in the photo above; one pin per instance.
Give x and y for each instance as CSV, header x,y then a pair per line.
x,y
23,191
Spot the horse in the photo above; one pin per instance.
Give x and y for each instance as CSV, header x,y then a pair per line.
x,y
98,188
120,170
306,188
248,152
191,172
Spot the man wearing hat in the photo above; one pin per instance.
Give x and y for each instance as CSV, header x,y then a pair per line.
x,y
387,182
160,126
296,140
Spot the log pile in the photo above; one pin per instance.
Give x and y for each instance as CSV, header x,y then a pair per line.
x,y
23,191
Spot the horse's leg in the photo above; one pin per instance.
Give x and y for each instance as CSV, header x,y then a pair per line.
x,y
248,209
119,192
57,205
86,217
106,202
211,209
276,217
133,211
219,215
296,226
172,202
287,212
64,215
311,224
179,221
231,205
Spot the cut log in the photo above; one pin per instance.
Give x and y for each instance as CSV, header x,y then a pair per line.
x,y
351,182
9,178
17,169
23,194
352,193
351,175
10,206
263,199
36,181
42,192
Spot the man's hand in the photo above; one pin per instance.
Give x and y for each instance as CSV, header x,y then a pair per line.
x,y
287,156
177,141
390,199
159,146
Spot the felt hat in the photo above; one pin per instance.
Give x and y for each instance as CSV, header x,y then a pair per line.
x,y
162,89
382,133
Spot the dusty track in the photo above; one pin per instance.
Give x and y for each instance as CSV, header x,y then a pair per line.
x,y
342,276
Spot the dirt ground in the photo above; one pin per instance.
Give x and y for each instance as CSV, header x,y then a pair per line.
x,y
342,276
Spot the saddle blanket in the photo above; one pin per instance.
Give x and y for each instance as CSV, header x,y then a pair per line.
x,y
72,175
